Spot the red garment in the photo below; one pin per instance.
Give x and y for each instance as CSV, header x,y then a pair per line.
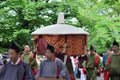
x,y
31,57
84,70
106,75
99,71
34,71
96,62
41,46
71,77
108,62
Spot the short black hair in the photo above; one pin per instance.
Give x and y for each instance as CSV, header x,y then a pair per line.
x,y
15,46
51,48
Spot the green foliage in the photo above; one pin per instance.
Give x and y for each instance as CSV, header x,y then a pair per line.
x,y
18,18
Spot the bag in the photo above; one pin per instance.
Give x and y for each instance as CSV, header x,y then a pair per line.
x,y
114,65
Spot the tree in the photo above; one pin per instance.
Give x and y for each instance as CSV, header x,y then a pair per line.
x,y
18,18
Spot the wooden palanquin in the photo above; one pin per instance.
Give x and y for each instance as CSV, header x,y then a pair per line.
x,y
76,44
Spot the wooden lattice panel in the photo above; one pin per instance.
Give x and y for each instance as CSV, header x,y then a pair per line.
x,y
75,43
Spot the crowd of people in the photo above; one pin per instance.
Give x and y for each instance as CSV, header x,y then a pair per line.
x,y
28,65
93,65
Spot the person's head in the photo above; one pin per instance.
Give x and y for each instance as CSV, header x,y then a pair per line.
x,y
27,48
108,51
101,54
87,52
115,47
92,51
74,56
49,52
14,51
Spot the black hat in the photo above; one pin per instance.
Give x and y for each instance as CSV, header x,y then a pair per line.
x,y
14,45
91,48
115,43
51,48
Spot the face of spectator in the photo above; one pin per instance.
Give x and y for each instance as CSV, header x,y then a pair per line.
x,y
108,51
49,55
13,55
27,48
87,52
92,52
115,48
